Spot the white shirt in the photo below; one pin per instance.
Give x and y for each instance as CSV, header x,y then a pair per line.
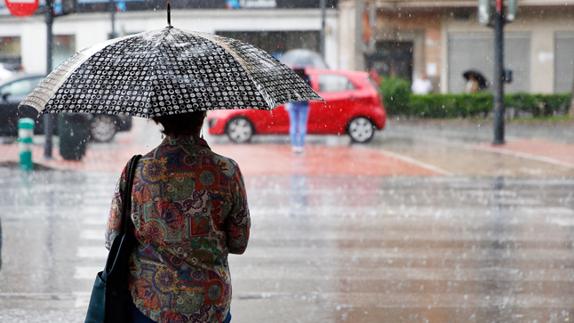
x,y
421,86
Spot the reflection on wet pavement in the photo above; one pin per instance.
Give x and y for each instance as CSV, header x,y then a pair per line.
x,y
325,248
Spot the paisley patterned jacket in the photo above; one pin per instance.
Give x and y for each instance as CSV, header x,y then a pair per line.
x,y
189,209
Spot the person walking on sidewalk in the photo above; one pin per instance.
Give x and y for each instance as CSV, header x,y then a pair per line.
x,y
189,209
298,116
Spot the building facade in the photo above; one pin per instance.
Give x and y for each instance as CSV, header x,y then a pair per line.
x,y
443,39
274,25
407,38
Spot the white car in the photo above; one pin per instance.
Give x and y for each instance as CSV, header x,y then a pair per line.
x,y
5,73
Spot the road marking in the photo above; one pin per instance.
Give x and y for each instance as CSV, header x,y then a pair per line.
x,y
500,150
40,294
377,299
94,221
87,272
96,235
417,163
82,299
92,252
517,154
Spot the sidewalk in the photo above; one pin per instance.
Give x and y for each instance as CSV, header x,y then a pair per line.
x,y
537,149
463,147
254,159
396,153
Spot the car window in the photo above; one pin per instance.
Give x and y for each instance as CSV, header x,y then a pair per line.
x,y
334,83
20,88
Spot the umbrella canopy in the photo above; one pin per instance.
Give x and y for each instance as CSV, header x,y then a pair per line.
x,y
303,58
482,82
165,72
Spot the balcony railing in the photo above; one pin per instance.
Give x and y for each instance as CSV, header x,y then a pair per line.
x,y
464,3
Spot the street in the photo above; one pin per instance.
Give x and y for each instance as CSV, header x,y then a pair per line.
x,y
411,228
404,161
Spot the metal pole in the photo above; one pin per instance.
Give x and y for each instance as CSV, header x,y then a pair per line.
x,y
359,44
112,6
48,120
499,73
323,5
372,26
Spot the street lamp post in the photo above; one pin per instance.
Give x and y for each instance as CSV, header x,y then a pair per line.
x,y
499,75
112,6
496,14
48,120
323,5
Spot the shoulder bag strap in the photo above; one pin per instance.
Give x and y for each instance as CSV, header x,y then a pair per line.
x,y
127,224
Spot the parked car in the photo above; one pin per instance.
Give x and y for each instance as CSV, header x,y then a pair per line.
x,y
102,127
353,106
5,72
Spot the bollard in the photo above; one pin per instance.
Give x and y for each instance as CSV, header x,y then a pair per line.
x,y
25,135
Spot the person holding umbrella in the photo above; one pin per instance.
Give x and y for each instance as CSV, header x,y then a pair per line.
x,y
190,210
186,205
475,82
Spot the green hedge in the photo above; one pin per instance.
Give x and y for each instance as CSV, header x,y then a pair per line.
x,y
449,105
396,95
539,104
399,101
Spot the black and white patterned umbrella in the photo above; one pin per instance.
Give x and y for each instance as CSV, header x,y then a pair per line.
x,y
165,72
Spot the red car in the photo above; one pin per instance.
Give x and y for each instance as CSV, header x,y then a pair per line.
x,y
353,106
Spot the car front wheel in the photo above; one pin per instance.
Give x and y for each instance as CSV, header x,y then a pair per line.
x,y
239,130
361,130
103,128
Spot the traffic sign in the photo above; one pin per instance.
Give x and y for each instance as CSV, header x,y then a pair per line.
x,y
22,8
486,9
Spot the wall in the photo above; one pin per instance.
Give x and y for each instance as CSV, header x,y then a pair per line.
x,y
423,29
542,26
429,30
90,29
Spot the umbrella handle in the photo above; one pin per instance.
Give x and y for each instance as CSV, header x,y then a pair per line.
x,y
168,13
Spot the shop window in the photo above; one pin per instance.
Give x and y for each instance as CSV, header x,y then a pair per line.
x,y
64,47
393,59
10,52
276,43
564,62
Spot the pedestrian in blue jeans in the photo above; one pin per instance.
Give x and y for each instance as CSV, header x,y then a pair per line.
x,y
298,116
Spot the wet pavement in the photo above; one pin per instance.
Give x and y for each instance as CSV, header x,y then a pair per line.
x,y
408,229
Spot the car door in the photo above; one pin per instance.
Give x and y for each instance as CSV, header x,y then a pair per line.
x,y
329,117
279,120
10,96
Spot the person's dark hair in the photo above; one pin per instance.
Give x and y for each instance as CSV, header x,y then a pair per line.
x,y
302,74
181,124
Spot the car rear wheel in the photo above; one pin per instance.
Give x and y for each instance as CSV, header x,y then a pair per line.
x,y
103,128
239,130
361,130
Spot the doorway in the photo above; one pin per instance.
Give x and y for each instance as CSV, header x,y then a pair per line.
x,y
393,59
